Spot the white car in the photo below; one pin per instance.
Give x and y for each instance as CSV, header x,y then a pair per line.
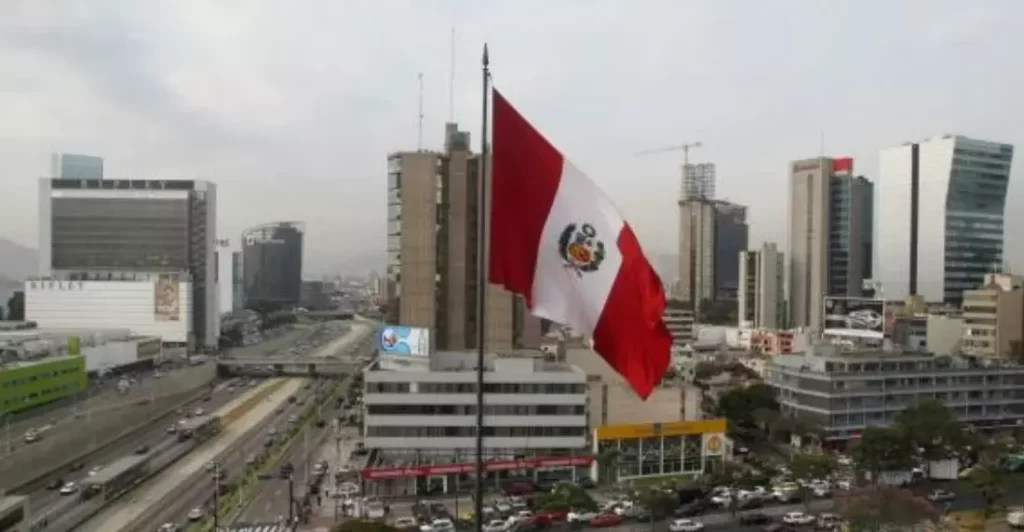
x,y
439,525
405,522
798,518
196,514
68,488
495,526
94,470
580,517
685,525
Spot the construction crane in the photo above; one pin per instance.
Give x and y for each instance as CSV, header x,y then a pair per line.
x,y
685,148
699,186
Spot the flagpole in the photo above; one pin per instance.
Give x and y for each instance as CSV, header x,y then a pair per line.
x,y
481,299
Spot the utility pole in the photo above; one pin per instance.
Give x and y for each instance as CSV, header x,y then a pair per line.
x,y
216,495
291,501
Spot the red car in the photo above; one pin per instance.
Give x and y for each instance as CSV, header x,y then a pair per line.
x,y
547,517
606,519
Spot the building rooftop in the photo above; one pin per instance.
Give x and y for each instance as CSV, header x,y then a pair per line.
x,y
516,361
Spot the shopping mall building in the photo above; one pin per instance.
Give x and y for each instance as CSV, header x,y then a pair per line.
x,y
631,451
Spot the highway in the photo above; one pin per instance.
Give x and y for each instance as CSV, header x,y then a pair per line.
x,y
233,461
270,498
103,398
49,505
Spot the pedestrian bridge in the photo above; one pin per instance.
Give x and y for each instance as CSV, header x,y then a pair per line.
x,y
287,367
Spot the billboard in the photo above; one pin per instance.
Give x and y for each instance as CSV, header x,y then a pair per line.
x,y
400,340
848,316
166,299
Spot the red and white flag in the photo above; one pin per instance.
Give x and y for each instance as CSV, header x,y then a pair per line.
x,y
557,240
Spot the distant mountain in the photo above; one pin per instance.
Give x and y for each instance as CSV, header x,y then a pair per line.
x,y
17,261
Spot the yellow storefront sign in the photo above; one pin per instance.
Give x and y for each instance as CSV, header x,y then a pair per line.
x,y
632,431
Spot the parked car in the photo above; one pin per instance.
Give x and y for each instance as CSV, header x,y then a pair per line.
x,y
685,525
68,488
941,496
798,518
755,518
605,520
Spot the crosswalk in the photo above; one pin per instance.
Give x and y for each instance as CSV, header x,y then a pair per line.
x,y
256,527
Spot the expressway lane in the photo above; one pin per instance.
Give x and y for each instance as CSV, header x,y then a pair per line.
x,y
233,461
270,500
47,502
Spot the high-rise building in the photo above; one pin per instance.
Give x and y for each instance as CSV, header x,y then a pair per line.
x,y
711,235
698,181
94,230
272,264
71,166
762,280
432,250
830,232
941,216
237,282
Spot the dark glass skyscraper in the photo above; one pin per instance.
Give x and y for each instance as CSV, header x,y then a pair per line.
x,y
272,264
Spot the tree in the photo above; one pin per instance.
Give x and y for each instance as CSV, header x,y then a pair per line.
x,y
608,462
931,426
566,496
990,478
884,509
733,475
661,503
883,449
808,467
738,405
16,307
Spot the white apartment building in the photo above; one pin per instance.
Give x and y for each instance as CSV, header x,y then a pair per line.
x,y
941,214
761,301
679,323
421,421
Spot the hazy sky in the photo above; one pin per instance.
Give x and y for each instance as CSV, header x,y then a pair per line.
x,y
291,107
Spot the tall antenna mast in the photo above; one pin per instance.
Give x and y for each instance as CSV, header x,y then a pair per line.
x,y
451,80
419,130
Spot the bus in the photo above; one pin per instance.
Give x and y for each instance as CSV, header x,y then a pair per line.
x,y
118,477
14,514
199,428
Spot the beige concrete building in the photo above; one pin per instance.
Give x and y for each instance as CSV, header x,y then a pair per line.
x,y
830,236
994,318
679,323
696,250
762,281
432,251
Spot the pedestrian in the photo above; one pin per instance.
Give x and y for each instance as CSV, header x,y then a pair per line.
x,y
319,500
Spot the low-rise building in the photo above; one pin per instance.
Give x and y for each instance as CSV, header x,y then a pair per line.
x,y
679,323
845,391
636,450
420,422
994,318
102,350
773,342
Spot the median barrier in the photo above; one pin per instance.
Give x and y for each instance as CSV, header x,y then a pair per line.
x,y
258,397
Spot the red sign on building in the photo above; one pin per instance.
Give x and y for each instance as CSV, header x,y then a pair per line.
x,y
380,473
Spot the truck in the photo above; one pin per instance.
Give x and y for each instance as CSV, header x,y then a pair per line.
x,y
123,386
1015,517
947,469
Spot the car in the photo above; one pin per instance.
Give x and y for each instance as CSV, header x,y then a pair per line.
x,y
692,508
495,525
142,449
941,496
169,527
685,525
829,522
94,470
755,518
172,429
580,517
406,523
69,488
77,466
199,412
55,484
251,460
210,466
798,518
605,520
196,514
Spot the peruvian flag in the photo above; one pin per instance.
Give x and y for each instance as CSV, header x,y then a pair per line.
x,y
558,241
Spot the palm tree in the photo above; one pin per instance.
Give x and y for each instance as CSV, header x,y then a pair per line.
x,y
608,463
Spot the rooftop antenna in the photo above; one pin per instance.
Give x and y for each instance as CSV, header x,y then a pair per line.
x,y
451,79
419,130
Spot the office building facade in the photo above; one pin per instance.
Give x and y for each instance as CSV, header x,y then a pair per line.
x,y
237,282
762,281
72,166
993,318
95,230
272,264
941,216
845,392
711,235
421,420
830,232
432,251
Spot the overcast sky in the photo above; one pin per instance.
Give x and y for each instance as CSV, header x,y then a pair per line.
x,y
291,107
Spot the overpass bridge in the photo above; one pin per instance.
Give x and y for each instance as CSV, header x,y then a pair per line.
x,y
298,366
